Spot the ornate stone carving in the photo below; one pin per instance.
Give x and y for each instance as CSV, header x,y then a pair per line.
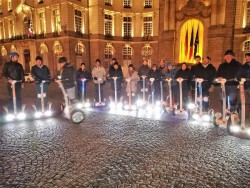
x,y
192,8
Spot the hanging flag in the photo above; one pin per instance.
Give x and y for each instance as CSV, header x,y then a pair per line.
x,y
196,42
186,44
191,45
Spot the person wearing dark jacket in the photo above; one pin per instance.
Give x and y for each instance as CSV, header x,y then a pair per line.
x,y
68,78
228,70
143,71
116,73
244,72
14,71
81,74
184,73
195,71
207,72
155,85
41,72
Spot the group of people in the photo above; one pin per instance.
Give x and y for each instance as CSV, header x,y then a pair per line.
x,y
141,79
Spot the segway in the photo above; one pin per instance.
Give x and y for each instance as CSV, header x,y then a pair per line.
x,y
69,110
99,103
153,106
42,112
180,111
197,112
16,115
114,104
234,124
129,105
222,119
83,103
142,102
169,103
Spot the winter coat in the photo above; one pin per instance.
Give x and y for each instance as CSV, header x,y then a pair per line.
x,y
80,75
171,74
116,73
229,71
143,70
244,72
208,73
68,76
186,75
99,75
133,83
157,76
40,73
13,70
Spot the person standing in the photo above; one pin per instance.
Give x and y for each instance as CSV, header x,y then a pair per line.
x,y
244,72
207,72
228,70
13,70
82,74
134,79
41,72
116,73
143,71
170,74
68,78
184,73
155,85
99,77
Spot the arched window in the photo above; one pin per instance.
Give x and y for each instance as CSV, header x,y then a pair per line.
x,y
147,52
191,40
57,48
246,46
127,54
12,48
109,51
43,48
3,51
79,49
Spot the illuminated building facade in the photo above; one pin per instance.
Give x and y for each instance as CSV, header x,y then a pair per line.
x,y
130,30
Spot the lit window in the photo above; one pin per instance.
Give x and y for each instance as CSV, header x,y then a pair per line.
x,y
248,14
57,48
247,46
3,51
9,5
42,22
127,27
1,8
12,48
108,24
27,26
127,4
56,20
147,52
108,2
148,4
78,21
127,52
109,51
1,30
79,49
11,28
43,48
148,26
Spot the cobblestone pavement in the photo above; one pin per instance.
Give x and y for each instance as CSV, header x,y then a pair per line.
x,y
121,151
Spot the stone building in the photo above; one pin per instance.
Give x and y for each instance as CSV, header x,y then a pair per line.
x,y
130,30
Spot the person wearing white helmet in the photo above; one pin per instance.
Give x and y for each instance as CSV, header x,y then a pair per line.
x,y
13,70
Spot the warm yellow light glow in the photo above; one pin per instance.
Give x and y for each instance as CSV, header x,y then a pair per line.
x,y
186,54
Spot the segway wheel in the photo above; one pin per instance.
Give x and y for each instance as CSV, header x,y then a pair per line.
x,y
214,122
77,116
229,124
